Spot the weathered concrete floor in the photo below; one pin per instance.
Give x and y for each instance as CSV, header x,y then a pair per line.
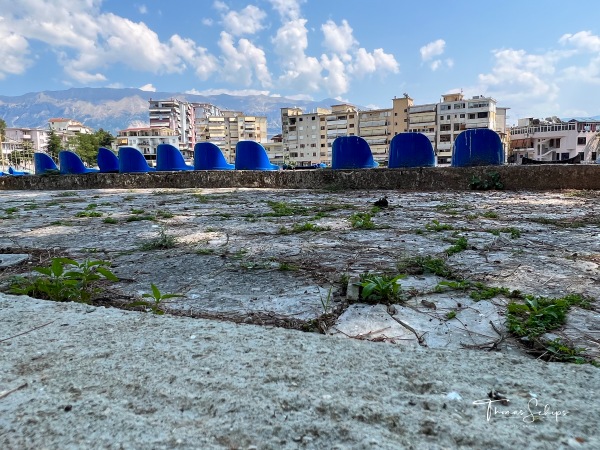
x,y
233,261
106,378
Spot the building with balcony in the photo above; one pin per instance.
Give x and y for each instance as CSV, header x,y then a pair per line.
x,y
147,139
22,140
554,140
226,128
376,127
178,116
64,126
304,136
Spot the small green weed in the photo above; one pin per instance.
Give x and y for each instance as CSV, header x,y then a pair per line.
x,y
281,209
490,215
205,251
285,267
155,305
138,211
64,280
88,214
201,198
424,264
30,206
139,218
110,220
301,228
435,225
162,242
515,233
11,210
362,221
377,288
450,315
91,206
459,245
164,214
491,180
326,302
66,194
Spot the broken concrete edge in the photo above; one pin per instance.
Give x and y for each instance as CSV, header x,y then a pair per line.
x,y
541,178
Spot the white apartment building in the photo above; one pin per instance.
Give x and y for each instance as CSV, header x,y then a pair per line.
x,y
26,140
554,140
147,139
423,119
274,148
456,114
65,126
178,116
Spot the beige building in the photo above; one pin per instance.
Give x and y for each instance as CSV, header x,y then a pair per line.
x,y
376,127
230,127
304,136
147,139
64,126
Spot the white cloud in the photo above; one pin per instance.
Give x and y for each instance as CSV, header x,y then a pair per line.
x,y
238,92
336,81
378,61
143,9
435,65
287,9
338,38
14,52
148,88
220,5
433,49
207,22
247,21
300,72
583,40
243,63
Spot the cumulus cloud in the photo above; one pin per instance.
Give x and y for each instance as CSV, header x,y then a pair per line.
x,y
143,9
336,81
338,38
378,61
243,63
207,22
148,88
433,49
583,40
14,52
287,9
247,21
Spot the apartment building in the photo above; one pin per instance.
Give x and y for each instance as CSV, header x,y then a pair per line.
x,y
423,119
226,128
376,127
304,136
147,139
400,108
554,140
64,126
274,148
456,114
178,116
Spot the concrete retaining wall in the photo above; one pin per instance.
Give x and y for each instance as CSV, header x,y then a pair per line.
x,y
542,177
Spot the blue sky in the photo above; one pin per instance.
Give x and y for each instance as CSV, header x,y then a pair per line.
x,y
537,58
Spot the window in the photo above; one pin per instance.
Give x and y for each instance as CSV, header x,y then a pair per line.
x,y
322,145
351,116
301,145
471,116
445,137
313,117
580,141
300,119
313,145
482,115
457,127
395,114
445,107
351,125
294,155
322,128
314,154
462,116
322,136
444,127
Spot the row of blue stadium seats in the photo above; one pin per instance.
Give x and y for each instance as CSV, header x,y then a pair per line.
x,y
472,147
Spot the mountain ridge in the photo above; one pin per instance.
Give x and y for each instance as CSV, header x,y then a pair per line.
x,y
115,109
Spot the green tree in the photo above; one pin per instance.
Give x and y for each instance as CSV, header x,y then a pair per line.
x,y
105,139
54,144
2,129
86,146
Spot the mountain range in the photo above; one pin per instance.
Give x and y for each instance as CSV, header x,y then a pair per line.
x,y
117,109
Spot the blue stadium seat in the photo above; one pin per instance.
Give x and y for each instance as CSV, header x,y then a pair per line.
x,y
411,150
107,161
207,156
17,173
70,163
352,152
170,159
44,164
250,155
131,160
478,147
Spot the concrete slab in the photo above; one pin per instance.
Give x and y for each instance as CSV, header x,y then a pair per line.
x,y
12,259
